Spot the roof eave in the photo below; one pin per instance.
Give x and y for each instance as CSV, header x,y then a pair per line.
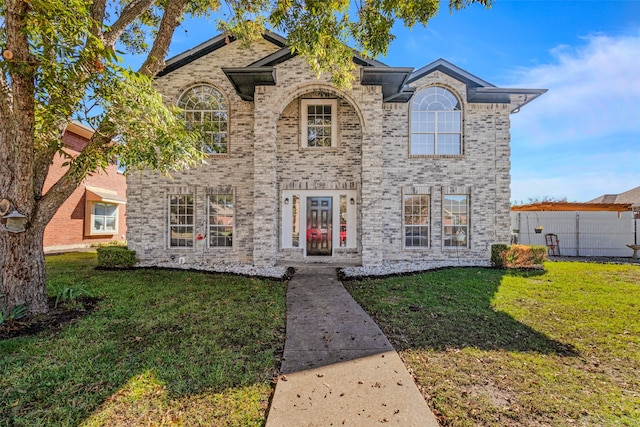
x,y
517,98
391,79
245,79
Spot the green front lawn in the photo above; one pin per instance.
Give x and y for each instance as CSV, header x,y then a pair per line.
x,y
162,348
508,348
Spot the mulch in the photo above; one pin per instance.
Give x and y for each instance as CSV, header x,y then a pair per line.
x,y
53,321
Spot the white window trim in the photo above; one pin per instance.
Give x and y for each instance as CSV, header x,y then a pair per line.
x,y
468,225
233,227
428,225
226,109
436,133
169,225
304,122
93,231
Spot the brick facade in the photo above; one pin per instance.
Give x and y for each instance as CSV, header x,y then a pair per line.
x,y
267,168
68,227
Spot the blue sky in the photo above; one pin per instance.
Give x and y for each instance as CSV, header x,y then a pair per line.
x,y
579,140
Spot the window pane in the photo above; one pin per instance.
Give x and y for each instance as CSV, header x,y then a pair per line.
x,y
181,220
98,223
204,109
98,209
448,143
416,220
221,220
436,116
110,210
422,144
455,220
110,224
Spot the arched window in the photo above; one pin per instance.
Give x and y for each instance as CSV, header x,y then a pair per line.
x,y
205,109
436,123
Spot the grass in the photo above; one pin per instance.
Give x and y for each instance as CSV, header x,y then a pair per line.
x,y
163,348
559,347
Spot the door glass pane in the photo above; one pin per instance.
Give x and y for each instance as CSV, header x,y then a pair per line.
x,y
296,221
343,221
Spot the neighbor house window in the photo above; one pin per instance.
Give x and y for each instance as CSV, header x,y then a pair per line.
x,y
181,221
436,123
221,220
416,221
205,110
104,218
455,220
319,124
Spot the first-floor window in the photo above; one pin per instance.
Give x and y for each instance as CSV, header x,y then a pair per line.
x,y
181,221
455,220
416,221
221,220
104,218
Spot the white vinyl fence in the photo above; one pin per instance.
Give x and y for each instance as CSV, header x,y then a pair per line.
x,y
581,233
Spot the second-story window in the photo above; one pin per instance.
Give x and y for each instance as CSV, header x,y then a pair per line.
x,y
436,123
319,123
205,109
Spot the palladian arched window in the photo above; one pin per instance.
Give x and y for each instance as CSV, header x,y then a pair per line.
x,y
205,109
436,123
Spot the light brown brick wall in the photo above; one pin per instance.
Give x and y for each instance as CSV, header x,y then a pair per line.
x,y
265,157
67,227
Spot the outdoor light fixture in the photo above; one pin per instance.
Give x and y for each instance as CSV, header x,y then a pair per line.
x,y
286,200
14,222
352,201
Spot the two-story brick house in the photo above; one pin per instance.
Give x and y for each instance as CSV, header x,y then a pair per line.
x,y
96,211
405,165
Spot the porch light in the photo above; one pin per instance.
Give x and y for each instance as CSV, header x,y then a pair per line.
x,y
14,222
286,200
352,201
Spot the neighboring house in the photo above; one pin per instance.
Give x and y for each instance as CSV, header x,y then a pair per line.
x,y
406,165
632,196
95,212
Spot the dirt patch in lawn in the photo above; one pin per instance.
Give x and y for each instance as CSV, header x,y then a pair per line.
x,y
53,321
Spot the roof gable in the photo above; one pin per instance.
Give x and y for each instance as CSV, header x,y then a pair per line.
x,y
479,90
394,81
451,70
209,46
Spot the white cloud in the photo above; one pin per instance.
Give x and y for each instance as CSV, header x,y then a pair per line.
x,y
582,138
594,91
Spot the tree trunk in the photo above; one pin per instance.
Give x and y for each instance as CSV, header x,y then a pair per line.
x,y
22,270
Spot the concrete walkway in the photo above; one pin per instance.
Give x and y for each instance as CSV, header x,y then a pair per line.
x,y
339,369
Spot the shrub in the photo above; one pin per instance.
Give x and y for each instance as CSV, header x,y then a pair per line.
x,y
116,257
517,256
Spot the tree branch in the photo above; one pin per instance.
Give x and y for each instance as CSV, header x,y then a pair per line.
x,y
98,8
130,13
170,20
